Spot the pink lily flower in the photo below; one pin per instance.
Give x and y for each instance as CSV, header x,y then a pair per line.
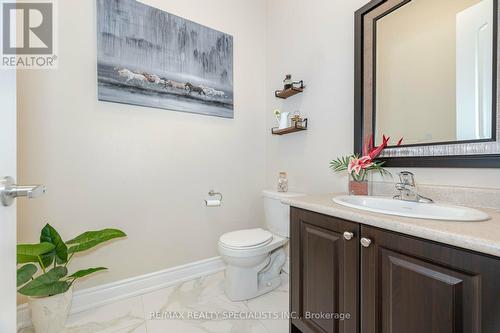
x,y
357,164
354,166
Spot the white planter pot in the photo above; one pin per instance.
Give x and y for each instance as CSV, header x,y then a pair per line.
x,y
49,314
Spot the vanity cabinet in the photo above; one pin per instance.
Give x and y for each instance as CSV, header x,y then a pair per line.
x,y
401,283
324,270
412,285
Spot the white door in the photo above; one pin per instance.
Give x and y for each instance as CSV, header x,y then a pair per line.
x,y
474,68
8,214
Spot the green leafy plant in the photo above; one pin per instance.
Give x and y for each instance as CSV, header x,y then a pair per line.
x,y
53,255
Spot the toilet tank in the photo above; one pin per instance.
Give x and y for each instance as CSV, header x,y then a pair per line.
x,y
277,214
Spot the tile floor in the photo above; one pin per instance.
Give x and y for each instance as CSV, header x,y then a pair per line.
x,y
202,297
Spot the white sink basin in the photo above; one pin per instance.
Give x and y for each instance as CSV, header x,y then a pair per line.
x,y
431,211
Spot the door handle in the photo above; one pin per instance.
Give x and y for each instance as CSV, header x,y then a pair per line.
x,y
10,191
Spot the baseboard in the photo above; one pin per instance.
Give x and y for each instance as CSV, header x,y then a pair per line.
x,y
108,293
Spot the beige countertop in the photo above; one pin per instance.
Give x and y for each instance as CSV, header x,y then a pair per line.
x,y
482,237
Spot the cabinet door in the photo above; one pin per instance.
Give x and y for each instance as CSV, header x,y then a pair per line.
x,y
324,273
411,285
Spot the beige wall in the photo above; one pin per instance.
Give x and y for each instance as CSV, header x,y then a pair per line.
x,y
416,71
321,51
146,171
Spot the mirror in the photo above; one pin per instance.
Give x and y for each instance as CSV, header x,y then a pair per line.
x,y
427,71
434,65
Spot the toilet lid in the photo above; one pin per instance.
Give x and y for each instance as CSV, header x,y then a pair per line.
x,y
246,238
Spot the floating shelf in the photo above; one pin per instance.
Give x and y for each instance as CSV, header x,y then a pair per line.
x,y
291,129
288,92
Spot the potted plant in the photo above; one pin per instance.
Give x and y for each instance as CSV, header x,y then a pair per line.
x,y
50,291
358,167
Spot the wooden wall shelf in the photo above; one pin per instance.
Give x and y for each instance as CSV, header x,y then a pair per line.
x,y
288,92
291,129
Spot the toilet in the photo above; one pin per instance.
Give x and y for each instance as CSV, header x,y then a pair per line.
x,y
255,257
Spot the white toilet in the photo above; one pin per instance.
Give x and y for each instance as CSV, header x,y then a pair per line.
x,y
255,257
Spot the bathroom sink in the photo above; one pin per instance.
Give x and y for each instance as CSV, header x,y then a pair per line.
x,y
431,211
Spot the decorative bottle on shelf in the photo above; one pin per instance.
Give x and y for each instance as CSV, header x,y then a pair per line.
x,y
282,182
288,82
296,119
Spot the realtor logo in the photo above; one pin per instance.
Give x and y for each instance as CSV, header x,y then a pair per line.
x,y
28,38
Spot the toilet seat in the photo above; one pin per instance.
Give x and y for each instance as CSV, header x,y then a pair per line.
x,y
246,239
249,252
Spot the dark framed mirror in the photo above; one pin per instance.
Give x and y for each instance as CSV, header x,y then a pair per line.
x,y
427,71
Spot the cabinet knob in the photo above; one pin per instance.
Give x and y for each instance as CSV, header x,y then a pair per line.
x,y
366,242
348,235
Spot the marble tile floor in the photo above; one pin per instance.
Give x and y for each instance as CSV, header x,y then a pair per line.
x,y
197,306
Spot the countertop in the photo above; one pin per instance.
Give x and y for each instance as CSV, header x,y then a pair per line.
x,y
482,236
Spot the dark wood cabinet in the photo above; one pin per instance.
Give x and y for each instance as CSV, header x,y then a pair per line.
x,y
324,273
401,284
412,285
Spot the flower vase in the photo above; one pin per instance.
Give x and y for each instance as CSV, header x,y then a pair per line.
x,y
358,187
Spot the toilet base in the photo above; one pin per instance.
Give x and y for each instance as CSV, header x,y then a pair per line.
x,y
244,283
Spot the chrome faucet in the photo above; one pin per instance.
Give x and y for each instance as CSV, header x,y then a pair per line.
x,y
408,189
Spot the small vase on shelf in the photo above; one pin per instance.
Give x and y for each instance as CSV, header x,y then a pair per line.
x,y
284,120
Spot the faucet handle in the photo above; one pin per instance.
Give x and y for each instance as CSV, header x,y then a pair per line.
x,y
407,178
400,187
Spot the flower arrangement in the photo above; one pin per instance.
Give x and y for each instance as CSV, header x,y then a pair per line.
x,y
359,166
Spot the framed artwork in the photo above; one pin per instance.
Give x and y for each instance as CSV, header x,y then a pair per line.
x,y
151,58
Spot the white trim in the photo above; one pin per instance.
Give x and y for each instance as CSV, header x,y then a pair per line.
x,y
108,293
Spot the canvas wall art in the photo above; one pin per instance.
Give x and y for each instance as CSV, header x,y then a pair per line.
x,y
151,58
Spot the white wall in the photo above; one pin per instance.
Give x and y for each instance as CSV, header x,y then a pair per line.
x,y
146,171
321,51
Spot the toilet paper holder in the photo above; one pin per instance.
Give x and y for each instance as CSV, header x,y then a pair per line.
x,y
214,203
